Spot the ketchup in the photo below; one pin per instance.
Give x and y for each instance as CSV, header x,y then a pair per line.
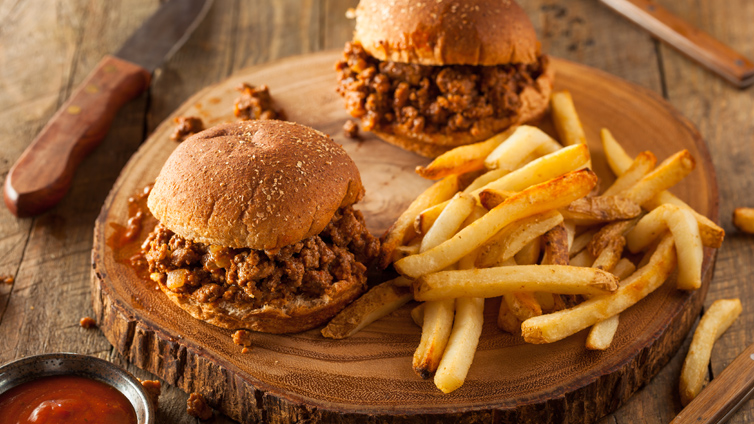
x,y
65,399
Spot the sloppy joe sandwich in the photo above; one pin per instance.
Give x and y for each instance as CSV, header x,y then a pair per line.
x,y
257,228
429,76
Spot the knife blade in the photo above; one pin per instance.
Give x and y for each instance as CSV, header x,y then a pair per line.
x,y
691,41
43,173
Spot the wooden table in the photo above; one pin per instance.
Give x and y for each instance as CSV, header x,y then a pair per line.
x,y
47,48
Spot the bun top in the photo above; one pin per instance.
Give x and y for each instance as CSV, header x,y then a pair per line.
x,y
258,184
446,32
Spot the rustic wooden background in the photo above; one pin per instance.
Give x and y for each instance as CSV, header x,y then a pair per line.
x,y
48,47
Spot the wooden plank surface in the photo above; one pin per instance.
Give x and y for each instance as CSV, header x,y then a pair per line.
x,y
47,47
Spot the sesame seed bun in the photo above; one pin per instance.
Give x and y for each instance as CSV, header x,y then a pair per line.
x,y
257,184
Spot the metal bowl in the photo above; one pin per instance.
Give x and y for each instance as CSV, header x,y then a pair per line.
x,y
51,364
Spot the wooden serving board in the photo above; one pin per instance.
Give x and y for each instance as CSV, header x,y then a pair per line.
x,y
368,377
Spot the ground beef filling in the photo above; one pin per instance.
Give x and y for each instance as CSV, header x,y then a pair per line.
x,y
307,269
417,99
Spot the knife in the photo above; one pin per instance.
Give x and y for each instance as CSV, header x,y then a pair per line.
x,y
691,41
43,174
717,402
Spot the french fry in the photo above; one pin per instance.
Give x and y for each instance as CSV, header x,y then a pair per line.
x,y
597,209
459,353
536,172
610,255
529,254
490,198
601,335
566,119
608,234
667,174
555,244
401,252
713,324
565,160
711,233
379,301
524,141
506,321
511,239
559,325
417,314
523,305
493,282
436,328
463,159
617,158
743,219
583,259
619,161
623,269
685,230
540,198
485,179
641,166
402,229
581,241
449,221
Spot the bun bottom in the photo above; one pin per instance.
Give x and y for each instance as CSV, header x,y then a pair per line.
x,y
294,317
534,102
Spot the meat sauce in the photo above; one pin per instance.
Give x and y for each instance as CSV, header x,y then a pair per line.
x,y
65,399
415,99
306,269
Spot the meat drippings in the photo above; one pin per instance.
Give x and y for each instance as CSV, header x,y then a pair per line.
x,y
419,99
304,270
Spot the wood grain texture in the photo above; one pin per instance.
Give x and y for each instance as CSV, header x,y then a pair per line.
x,y
368,376
687,39
723,394
724,116
46,48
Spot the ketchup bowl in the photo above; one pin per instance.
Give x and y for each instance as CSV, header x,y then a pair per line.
x,y
58,385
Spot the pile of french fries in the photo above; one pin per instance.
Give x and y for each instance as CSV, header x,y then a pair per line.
x,y
521,217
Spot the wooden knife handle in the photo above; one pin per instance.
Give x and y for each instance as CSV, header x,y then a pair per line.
x,y
689,40
723,394
43,174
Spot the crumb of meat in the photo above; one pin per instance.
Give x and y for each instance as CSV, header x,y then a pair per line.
x,y
197,407
186,126
242,338
257,103
351,130
153,388
7,279
88,322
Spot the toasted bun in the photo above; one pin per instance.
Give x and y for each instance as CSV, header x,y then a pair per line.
x,y
256,184
534,102
293,317
446,32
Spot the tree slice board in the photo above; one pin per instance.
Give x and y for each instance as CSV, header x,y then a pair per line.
x,y
368,377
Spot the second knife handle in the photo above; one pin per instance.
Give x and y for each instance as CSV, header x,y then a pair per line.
x,y
43,174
